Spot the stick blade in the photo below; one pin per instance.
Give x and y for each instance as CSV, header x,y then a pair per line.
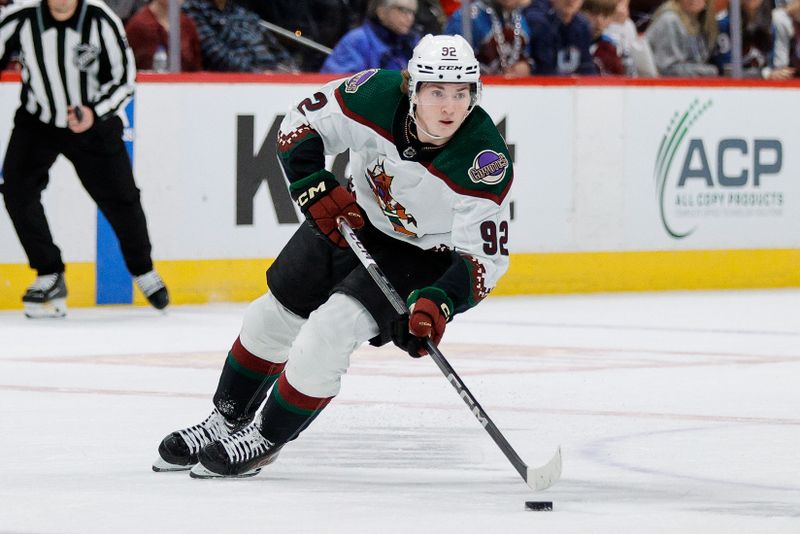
x,y
541,478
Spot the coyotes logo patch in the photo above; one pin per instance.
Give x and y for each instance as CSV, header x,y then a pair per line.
x,y
488,167
381,185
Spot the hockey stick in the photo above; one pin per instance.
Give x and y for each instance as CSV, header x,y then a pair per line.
x,y
538,478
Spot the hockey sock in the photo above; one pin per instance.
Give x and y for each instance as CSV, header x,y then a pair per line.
x,y
244,383
288,412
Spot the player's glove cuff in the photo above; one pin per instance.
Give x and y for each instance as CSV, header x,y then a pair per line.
x,y
430,309
323,202
313,187
435,295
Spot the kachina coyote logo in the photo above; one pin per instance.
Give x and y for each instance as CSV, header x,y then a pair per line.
x,y
715,177
381,185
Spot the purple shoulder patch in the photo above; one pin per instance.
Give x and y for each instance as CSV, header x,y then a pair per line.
x,y
352,85
488,167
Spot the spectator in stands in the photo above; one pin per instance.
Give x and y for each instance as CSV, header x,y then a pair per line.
x,y
233,40
642,12
322,21
786,21
450,6
384,41
148,30
757,42
500,36
124,9
637,58
606,56
681,36
358,11
560,38
430,17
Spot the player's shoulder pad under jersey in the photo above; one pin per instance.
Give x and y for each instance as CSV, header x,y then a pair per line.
x,y
370,97
476,161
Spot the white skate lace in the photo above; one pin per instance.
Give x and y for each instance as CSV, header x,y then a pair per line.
x,y
149,283
44,282
213,428
246,444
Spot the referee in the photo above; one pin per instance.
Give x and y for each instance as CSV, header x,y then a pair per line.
x,y
78,74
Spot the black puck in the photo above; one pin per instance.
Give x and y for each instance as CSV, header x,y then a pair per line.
x,y
539,506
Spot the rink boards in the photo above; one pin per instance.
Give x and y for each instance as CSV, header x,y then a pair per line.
x,y
629,186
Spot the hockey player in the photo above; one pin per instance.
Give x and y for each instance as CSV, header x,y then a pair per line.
x,y
428,193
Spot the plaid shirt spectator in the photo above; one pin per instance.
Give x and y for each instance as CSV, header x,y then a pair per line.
x,y
232,39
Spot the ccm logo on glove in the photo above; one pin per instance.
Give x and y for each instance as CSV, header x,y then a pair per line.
x,y
322,200
311,192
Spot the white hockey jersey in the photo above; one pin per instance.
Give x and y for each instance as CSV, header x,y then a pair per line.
x,y
459,200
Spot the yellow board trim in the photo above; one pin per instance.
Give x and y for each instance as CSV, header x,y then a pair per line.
x,y
14,278
201,281
588,272
242,280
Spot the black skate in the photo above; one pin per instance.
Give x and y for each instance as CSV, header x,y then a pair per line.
x,y
240,455
178,451
154,289
46,297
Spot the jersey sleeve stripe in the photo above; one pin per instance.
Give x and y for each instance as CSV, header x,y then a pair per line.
x,y
120,88
8,27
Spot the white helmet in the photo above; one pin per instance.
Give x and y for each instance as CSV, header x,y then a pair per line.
x,y
444,58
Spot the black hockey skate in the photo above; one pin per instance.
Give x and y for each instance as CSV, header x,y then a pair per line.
x,y
46,297
154,289
178,451
240,455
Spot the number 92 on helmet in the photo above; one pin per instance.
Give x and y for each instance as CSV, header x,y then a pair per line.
x,y
444,59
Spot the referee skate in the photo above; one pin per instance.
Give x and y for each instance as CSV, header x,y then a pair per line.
x,y
46,297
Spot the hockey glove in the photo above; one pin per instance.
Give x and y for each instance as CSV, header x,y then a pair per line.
x,y
429,310
322,200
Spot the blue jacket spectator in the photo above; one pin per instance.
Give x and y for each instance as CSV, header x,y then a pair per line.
x,y
560,38
384,41
500,36
232,40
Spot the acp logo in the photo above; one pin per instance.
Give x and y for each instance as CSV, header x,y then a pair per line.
x,y
714,178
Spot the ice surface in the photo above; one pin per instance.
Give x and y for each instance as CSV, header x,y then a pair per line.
x,y
676,412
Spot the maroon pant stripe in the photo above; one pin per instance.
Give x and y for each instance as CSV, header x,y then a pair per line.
x,y
253,363
289,394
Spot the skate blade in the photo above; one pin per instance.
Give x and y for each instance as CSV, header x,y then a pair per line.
x,y
162,466
198,471
54,309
